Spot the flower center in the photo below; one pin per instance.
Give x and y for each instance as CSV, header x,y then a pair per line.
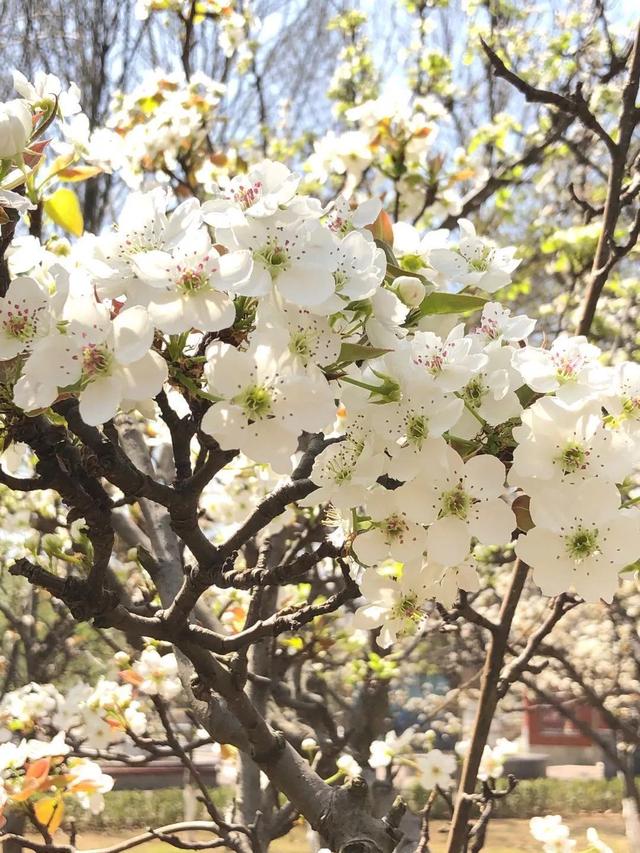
x,y
434,361
248,194
489,327
193,281
274,258
340,471
408,608
136,243
340,278
417,429
300,346
582,543
456,502
572,458
631,406
95,361
411,263
394,527
474,391
481,263
256,402
339,224
567,367
20,326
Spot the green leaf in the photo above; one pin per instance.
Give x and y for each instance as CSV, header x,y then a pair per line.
x,y
450,303
359,352
64,208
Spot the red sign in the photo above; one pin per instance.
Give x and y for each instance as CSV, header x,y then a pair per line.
x,y
548,727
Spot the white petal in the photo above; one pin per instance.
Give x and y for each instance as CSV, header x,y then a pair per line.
x,y
224,423
100,400
235,267
485,477
306,287
545,552
132,334
370,547
492,522
228,370
154,265
369,616
212,312
145,377
448,541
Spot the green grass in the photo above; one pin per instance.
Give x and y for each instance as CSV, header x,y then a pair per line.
x,y
140,809
547,796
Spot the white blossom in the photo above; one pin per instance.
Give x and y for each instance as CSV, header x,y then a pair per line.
x,y
570,368
436,768
393,604
475,262
16,126
187,288
581,540
263,407
110,360
450,362
459,500
298,259
158,673
390,534
566,443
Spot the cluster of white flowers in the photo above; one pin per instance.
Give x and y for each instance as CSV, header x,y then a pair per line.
x,y
100,715
391,147
78,139
380,131
44,773
288,318
155,674
493,758
555,836
161,122
45,735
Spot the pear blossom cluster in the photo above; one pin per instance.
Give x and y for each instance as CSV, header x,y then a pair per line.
x,y
43,774
102,714
279,317
80,151
555,836
391,147
161,122
48,739
493,757
381,131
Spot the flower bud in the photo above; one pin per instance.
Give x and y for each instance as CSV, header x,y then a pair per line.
x,y
382,228
309,744
52,544
410,290
59,246
15,127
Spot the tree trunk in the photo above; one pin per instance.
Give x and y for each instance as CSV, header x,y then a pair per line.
x,y
631,809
